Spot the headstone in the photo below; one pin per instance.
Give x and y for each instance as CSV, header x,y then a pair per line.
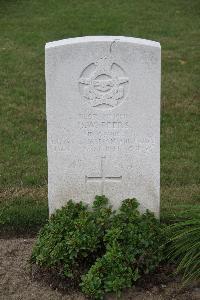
x,y
103,120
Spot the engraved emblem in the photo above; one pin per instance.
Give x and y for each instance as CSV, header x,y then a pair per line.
x,y
103,84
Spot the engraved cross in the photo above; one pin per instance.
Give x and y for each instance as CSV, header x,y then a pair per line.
x,y
102,178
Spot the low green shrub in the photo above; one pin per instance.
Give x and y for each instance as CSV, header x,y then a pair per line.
x,y
72,234
132,249
184,244
115,248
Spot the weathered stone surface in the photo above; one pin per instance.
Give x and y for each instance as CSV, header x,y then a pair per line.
x,y
103,120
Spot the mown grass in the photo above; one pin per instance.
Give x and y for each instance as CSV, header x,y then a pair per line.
x,y
25,27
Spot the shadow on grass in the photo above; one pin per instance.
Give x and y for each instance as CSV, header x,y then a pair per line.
x,y
22,216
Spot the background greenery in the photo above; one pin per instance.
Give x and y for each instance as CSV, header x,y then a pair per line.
x,y
25,27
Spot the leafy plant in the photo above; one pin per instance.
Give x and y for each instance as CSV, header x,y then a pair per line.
x,y
184,244
72,234
132,249
110,249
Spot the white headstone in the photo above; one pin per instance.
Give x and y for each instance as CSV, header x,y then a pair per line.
x,y
103,120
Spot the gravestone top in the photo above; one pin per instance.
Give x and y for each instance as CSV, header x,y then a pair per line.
x,y
104,38
103,120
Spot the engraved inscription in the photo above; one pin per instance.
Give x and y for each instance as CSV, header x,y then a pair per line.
x,y
59,143
112,132
102,178
105,132
103,84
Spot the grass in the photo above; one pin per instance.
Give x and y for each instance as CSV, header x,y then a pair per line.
x,y
22,215
183,244
25,27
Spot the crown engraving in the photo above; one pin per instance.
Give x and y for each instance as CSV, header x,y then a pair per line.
x,y
103,84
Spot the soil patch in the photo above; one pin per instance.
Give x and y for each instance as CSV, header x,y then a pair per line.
x,y
18,281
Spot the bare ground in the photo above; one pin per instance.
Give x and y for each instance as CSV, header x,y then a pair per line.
x,y
17,281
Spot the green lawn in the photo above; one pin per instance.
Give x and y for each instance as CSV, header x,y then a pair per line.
x,y
25,27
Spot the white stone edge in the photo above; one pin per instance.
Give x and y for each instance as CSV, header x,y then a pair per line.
x,y
86,39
